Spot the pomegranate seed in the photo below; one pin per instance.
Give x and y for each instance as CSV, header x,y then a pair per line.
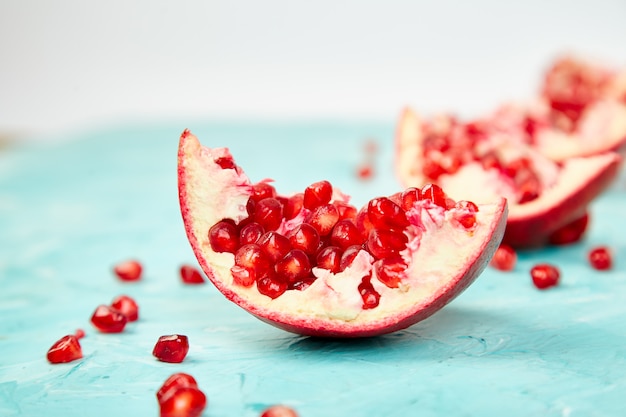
x,y
128,270
386,243
600,258
80,333
467,205
317,194
305,237
545,276
324,218
409,197
175,382
504,259
293,206
348,256
171,348
365,171
571,232
243,276
274,245
271,286
370,297
226,162
262,190
108,320
344,234
191,275
279,411
224,237
385,214
435,194
390,271
330,258
127,306
66,349
294,267
345,210
253,258
250,233
363,223
268,213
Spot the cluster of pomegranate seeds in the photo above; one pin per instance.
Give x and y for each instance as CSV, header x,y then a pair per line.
x,y
279,411
600,258
179,396
191,275
129,270
545,276
66,349
171,348
329,236
114,317
504,259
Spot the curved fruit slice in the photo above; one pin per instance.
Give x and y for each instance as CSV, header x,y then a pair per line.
x,y
325,268
471,161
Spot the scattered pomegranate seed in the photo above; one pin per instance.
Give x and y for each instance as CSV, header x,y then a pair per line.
x,y
279,411
189,274
171,348
108,320
127,306
179,396
545,276
66,349
600,258
128,270
365,171
80,333
504,259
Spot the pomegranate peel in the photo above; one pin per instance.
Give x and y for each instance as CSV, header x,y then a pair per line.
x,y
443,256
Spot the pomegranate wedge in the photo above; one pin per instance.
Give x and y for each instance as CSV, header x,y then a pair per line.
x,y
315,264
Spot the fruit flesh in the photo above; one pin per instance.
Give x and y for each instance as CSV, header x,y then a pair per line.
x,y
331,305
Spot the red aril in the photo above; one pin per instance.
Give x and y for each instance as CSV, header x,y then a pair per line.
x,y
171,348
189,274
127,306
324,282
504,259
179,396
175,382
279,411
108,320
600,258
129,270
545,276
66,349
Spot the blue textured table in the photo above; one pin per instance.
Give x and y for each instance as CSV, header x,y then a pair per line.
x,y
70,209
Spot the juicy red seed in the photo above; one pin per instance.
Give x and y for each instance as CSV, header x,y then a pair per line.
x,y
435,194
330,258
348,256
545,276
271,286
184,402
345,210
189,274
243,276
571,232
268,213
365,171
128,270
317,194
224,237
108,320
279,411
252,257
80,333
385,214
293,205
370,297
250,233
504,259
66,349
528,190
175,382
127,306
274,245
305,237
324,218
386,243
409,197
294,267
363,223
344,234
390,271
226,162
468,205
600,258
262,190
171,348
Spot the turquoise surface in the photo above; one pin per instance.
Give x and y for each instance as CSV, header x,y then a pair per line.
x,y
70,209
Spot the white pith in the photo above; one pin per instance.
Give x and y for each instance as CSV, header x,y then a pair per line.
x,y
440,251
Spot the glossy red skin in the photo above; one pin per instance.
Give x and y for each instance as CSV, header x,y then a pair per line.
x,y
66,349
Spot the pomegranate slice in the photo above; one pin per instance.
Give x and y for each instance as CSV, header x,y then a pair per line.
x,y
544,196
66,349
342,297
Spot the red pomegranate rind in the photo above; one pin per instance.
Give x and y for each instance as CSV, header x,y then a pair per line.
x,y
208,193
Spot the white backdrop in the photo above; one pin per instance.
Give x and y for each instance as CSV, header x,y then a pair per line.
x,y
68,64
